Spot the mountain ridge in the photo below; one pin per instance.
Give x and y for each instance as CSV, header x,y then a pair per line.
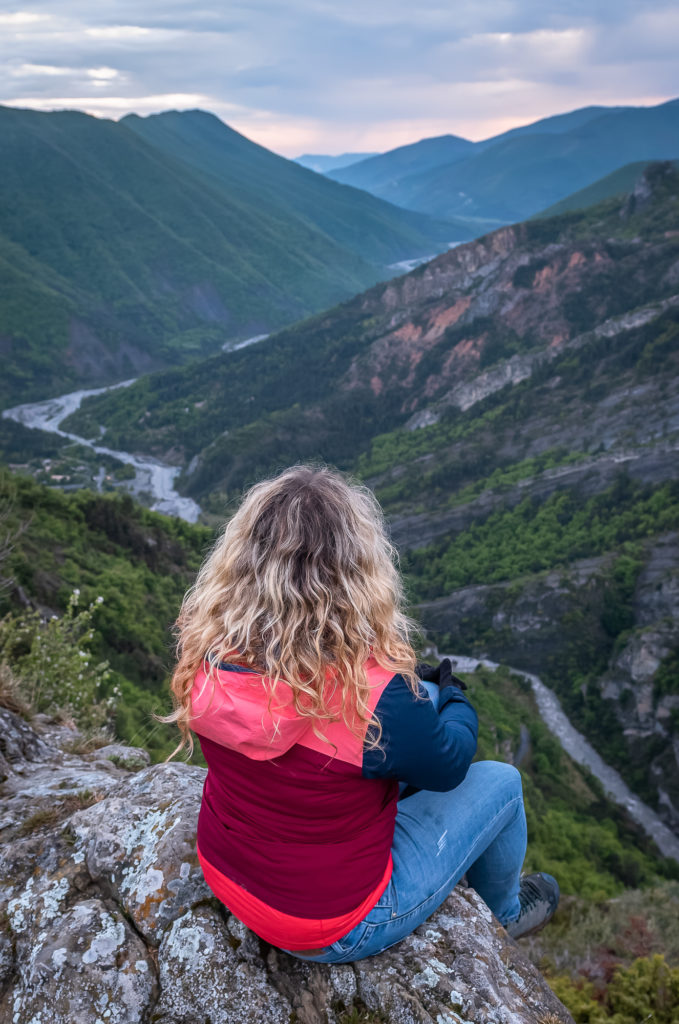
x,y
515,174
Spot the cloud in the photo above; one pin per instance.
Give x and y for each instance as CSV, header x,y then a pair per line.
x,y
329,76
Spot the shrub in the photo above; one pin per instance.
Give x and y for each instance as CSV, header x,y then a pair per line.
x,y
53,666
647,990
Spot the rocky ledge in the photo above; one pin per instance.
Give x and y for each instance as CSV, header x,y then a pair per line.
x,y
105,917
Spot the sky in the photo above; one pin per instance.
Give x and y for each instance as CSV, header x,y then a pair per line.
x,y
330,76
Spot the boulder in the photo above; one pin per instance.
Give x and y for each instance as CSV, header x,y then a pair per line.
x,y
105,918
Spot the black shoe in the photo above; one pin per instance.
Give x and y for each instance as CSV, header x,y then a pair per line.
x,y
539,898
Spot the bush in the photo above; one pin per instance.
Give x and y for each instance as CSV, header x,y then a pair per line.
x,y
52,663
647,990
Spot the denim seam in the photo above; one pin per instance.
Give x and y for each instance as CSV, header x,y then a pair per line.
x,y
400,917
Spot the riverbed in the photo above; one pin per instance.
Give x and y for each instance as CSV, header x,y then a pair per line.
x,y
151,476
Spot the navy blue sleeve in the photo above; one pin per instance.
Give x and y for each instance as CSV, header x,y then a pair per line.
x,y
420,746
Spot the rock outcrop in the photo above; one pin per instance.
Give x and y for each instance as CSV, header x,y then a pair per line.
x,y
105,917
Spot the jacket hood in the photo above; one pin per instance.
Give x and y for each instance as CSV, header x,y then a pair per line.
x,y
232,708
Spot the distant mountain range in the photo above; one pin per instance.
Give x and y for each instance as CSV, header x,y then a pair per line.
x,y
322,164
386,169
516,174
127,246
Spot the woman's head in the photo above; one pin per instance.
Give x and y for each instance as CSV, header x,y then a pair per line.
x,y
301,580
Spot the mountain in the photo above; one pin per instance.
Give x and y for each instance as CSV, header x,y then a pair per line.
x,y
516,174
394,351
322,164
373,230
379,173
384,171
515,405
117,256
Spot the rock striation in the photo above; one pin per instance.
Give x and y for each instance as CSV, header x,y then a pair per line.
x,y
105,917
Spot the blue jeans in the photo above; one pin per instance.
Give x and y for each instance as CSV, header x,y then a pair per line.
x,y
478,828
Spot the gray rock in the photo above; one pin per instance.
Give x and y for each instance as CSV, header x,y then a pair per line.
x,y
140,845
92,902
38,779
131,758
202,976
87,966
6,956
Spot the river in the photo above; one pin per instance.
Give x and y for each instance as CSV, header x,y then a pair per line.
x,y
575,744
152,476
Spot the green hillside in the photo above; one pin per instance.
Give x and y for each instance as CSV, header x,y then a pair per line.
x,y
376,231
116,257
139,562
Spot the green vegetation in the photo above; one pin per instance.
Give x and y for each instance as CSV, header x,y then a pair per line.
x,y
647,990
666,680
574,831
139,562
615,184
541,535
53,660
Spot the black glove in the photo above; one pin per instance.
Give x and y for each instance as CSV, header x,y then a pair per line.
x,y
442,674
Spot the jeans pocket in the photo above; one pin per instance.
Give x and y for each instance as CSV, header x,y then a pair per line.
x,y
351,939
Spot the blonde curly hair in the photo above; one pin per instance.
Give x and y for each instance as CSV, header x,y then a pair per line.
x,y
302,585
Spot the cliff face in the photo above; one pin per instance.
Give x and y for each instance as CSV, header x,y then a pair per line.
x,y
104,916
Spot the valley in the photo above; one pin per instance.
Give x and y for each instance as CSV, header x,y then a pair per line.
x,y
513,403
515,406
134,245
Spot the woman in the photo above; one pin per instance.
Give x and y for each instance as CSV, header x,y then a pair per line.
x,y
297,673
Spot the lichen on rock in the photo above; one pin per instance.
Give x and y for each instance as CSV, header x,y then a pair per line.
x,y
105,919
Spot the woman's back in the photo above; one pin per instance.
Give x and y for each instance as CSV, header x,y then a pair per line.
x,y
288,814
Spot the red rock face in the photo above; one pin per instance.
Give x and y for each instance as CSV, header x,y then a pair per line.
x,y
474,282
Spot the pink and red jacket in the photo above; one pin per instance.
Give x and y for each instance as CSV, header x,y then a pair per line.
x,y
295,831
